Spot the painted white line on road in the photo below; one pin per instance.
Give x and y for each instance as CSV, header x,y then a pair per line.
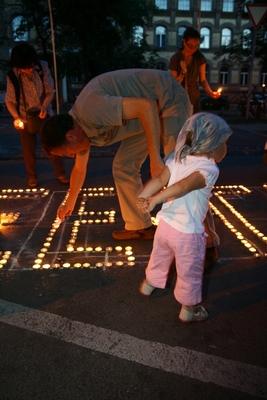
x,y
178,360
22,248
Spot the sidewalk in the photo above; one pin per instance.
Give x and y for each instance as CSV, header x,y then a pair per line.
x,y
75,327
10,144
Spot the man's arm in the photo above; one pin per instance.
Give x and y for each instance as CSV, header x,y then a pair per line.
x,y
147,111
77,178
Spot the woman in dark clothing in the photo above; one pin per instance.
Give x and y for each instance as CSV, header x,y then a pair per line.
x,y
30,86
188,66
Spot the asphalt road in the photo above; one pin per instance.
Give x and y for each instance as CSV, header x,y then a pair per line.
x,y
77,328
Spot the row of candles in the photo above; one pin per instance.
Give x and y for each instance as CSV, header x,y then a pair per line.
x,y
108,216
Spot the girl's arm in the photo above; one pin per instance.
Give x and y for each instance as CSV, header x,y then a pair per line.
x,y
152,187
155,184
192,182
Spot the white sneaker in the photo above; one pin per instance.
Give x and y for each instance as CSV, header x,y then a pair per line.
x,y
193,314
145,288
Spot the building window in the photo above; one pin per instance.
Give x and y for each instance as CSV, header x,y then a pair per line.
x,y
180,33
206,5
183,5
228,6
17,34
246,38
161,34
244,77
224,75
161,4
226,37
205,38
138,35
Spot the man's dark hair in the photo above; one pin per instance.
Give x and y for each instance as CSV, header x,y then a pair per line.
x,y
53,132
23,55
191,33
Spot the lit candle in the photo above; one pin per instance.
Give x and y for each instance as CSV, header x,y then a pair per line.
x,y
19,124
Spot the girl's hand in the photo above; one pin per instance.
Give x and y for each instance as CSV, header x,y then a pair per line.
x,y
152,203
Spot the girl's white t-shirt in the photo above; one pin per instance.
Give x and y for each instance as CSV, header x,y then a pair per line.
x,y
187,213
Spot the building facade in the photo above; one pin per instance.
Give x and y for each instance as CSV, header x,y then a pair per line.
x,y
221,23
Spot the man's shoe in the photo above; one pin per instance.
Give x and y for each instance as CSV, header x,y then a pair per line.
x,y
32,183
144,234
145,288
63,179
193,314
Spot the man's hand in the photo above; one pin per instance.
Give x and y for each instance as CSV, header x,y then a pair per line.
x,y
64,211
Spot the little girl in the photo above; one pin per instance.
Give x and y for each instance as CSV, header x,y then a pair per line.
x,y
190,173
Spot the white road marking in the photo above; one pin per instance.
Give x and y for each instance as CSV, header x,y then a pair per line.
x,y
15,260
203,367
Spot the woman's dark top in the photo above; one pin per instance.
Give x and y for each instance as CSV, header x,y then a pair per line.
x,y
191,80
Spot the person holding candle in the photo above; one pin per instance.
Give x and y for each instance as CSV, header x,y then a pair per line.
x,y
141,109
30,86
188,66
189,174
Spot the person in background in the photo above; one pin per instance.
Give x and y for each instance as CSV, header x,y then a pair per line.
x,y
188,66
30,86
190,173
141,109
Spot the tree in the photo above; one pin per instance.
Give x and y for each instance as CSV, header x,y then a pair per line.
x,y
239,51
91,36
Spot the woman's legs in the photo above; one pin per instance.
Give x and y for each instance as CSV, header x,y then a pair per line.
x,y
28,143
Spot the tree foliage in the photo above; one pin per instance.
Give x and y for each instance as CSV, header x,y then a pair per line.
x,y
239,51
91,36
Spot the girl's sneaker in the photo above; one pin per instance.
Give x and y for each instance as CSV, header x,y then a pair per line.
x,y
193,314
145,288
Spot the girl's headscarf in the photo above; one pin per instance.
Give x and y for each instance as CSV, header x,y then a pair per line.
x,y
201,133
